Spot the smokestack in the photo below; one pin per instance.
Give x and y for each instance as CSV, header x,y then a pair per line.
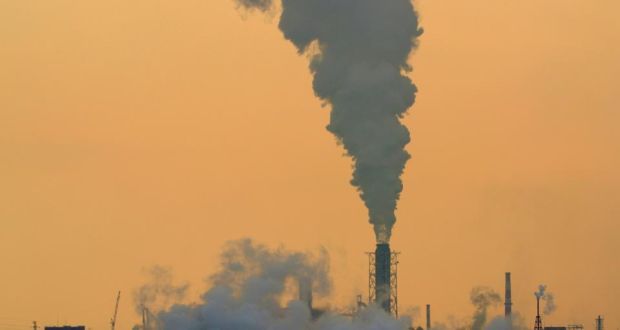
x,y
599,323
382,276
428,317
508,298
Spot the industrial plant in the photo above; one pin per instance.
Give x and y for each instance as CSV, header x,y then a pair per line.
x,y
359,61
382,295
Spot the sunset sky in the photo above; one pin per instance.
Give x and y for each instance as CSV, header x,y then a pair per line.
x,y
150,132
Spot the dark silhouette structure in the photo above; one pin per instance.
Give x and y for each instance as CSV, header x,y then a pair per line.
x,y
383,278
508,298
428,317
538,322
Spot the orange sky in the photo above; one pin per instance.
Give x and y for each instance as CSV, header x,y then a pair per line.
x,y
136,133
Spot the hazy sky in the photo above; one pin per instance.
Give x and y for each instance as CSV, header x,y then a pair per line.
x,y
135,133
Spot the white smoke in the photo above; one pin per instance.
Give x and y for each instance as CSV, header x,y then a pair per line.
x,y
358,53
257,288
251,291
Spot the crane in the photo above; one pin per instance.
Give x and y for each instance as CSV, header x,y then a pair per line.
x,y
113,319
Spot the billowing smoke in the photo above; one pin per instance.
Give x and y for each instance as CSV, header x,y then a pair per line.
x,y
359,51
482,298
255,289
547,298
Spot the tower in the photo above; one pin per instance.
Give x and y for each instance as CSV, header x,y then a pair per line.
x,y
383,278
508,298
538,323
599,323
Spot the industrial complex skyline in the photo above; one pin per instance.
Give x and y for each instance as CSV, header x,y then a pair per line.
x,y
173,141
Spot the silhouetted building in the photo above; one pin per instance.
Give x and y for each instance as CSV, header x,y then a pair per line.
x,y
555,328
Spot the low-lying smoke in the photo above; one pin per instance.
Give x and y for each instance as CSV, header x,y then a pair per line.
x,y
483,298
251,291
515,322
258,288
358,53
499,322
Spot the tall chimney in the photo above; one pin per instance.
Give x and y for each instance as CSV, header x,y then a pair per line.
x,y
428,317
508,298
599,323
382,276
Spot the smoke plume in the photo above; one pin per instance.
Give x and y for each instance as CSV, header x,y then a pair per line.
x,y
547,298
160,291
358,53
251,289
482,298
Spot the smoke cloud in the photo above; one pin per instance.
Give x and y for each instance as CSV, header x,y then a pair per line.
x,y
358,53
548,299
482,298
250,292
